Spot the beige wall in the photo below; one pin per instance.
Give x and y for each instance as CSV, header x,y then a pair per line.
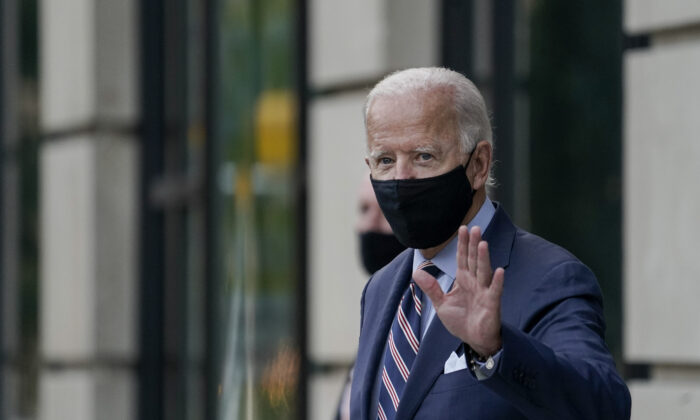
x,y
88,189
662,204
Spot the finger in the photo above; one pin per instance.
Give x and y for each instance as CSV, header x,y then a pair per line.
x,y
474,238
483,265
462,246
430,287
497,282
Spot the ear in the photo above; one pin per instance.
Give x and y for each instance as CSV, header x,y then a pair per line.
x,y
367,162
478,171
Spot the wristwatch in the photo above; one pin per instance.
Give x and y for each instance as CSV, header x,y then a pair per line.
x,y
476,360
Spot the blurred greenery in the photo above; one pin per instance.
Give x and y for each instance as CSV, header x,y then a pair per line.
x,y
257,53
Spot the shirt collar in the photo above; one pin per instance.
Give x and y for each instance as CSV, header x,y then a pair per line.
x,y
445,260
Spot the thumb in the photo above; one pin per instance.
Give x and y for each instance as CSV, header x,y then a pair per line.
x,y
430,287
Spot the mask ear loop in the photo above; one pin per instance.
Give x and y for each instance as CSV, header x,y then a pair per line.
x,y
466,166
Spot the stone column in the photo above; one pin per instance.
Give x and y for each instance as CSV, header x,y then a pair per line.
x,y
88,209
662,204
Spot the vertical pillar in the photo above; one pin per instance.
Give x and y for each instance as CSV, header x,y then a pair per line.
x,y
457,39
151,334
88,196
503,88
9,204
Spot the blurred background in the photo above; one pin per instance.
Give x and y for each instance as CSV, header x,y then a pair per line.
x,y
179,181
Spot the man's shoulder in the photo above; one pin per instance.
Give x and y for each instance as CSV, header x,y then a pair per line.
x,y
537,248
545,262
526,249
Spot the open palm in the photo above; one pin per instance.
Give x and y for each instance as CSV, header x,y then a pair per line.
x,y
470,311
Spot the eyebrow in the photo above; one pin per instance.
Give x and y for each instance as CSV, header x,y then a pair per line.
x,y
427,149
374,154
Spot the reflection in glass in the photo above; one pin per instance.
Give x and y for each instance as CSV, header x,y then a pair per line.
x,y
257,152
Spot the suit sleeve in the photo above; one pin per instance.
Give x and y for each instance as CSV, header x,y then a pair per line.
x,y
555,365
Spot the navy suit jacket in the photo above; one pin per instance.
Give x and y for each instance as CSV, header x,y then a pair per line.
x,y
554,363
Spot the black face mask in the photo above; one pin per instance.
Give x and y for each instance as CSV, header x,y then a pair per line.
x,y
425,212
378,249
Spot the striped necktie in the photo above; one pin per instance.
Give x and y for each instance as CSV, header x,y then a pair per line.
x,y
402,347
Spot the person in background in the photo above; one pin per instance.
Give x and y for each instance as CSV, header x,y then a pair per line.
x,y
378,246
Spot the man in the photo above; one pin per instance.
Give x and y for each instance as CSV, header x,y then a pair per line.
x,y
378,246
519,327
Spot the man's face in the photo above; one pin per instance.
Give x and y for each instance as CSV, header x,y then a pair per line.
x,y
412,136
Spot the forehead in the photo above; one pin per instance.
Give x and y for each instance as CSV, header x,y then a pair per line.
x,y
426,112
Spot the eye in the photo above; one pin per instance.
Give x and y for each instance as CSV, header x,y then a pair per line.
x,y
425,156
385,161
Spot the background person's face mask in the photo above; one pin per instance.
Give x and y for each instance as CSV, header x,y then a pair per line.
x,y
378,249
425,212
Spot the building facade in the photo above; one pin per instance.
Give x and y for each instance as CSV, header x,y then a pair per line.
x,y
661,168
179,183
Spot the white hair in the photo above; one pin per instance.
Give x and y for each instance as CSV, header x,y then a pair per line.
x,y
473,124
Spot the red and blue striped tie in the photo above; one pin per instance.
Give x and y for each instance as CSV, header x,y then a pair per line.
x,y
402,347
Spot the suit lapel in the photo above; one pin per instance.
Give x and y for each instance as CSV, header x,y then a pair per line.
x,y
378,328
500,235
435,348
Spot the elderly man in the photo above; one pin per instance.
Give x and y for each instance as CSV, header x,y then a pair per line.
x,y
519,326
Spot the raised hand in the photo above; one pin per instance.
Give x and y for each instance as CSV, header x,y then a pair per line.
x,y
470,311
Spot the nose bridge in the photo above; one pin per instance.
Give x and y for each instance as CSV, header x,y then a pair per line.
x,y
404,169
